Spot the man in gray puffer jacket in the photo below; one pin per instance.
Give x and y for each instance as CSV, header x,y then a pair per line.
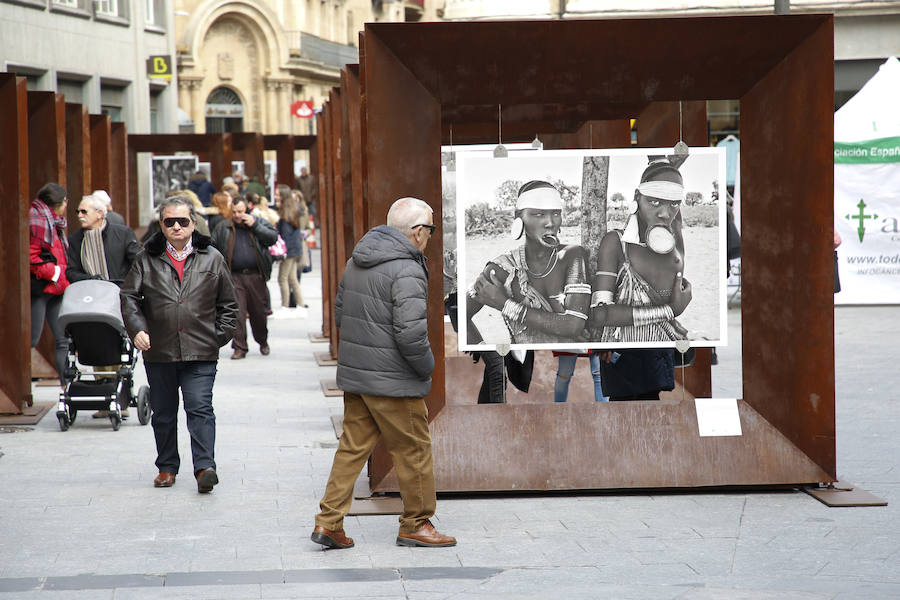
x,y
384,367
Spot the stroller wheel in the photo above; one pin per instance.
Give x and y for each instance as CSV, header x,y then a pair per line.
x,y
143,405
115,420
72,414
63,421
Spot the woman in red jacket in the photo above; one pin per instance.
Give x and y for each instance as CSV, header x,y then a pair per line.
x,y
48,246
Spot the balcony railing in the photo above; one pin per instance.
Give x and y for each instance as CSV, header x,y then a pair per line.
x,y
312,47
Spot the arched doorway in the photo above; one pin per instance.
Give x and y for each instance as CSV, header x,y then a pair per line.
x,y
224,111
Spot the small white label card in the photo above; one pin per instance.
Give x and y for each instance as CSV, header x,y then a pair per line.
x,y
717,416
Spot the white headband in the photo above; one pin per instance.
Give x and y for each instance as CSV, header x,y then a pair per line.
x,y
541,198
664,190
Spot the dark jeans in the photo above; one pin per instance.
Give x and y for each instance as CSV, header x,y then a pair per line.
x,y
494,382
252,298
195,378
46,306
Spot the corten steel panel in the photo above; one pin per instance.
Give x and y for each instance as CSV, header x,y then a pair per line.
x,y
593,134
15,307
403,139
347,168
337,251
101,153
46,163
787,183
118,174
363,135
78,158
656,444
216,146
592,61
46,139
283,145
249,148
322,218
356,210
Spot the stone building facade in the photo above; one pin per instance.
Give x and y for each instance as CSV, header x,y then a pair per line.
x,y
242,63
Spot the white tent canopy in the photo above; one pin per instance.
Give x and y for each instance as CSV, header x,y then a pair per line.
x,y
867,190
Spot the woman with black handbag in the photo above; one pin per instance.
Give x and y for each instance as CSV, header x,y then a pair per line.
x,y
47,249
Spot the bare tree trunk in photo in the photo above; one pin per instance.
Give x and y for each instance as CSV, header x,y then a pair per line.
x,y
594,189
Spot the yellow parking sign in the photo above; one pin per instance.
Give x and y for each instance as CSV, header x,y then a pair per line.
x,y
160,67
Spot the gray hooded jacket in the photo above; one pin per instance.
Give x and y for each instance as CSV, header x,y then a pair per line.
x,y
380,308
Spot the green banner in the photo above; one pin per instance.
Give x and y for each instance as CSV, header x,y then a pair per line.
x,y
882,150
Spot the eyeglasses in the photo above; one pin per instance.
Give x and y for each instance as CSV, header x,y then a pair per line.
x,y
83,211
431,228
169,222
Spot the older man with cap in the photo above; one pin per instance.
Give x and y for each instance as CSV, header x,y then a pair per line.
x,y
111,215
540,287
384,367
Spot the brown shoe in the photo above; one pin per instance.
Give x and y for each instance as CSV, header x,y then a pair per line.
x,y
100,414
426,536
206,479
164,479
264,349
331,539
239,354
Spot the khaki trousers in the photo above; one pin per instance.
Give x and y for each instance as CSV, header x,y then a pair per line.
x,y
404,424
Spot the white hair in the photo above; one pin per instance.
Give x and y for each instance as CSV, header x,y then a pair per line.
x,y
96,202
406,213
103,196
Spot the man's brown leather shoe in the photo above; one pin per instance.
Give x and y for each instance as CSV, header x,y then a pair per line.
x,y
239,354
331,539
264,349
164,479
206,479
426,536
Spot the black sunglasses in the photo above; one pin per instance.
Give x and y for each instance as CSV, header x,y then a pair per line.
x,y
82,211
169,222
431,228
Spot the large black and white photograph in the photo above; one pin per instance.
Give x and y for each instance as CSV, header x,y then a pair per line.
x,y
575,249
168,173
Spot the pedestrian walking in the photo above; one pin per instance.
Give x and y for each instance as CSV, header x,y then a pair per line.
x,y
384,367
179,307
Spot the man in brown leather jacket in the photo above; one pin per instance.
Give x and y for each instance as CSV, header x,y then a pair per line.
x,y
179,307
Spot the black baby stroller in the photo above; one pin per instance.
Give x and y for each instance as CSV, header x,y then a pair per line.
x,y
92,320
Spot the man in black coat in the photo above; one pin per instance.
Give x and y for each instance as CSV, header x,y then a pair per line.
x,y
244,241
179,327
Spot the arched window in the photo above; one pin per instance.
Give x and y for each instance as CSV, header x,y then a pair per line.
x,y
224,111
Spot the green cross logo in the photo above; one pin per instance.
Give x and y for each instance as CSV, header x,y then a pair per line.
x,y
861,217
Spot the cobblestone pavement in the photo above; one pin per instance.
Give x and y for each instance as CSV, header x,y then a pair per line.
x,y
80,519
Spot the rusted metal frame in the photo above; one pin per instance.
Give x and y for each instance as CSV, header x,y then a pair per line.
x,y
15,301
402,156
352,115
283,145
337,251
101,156
540,57
118,174
249,146
660,125
217,147
78,157
363,132
46,163
773,458
787,298
322,218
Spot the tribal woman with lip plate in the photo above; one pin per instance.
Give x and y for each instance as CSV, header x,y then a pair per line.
x,y
639,288
540,287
